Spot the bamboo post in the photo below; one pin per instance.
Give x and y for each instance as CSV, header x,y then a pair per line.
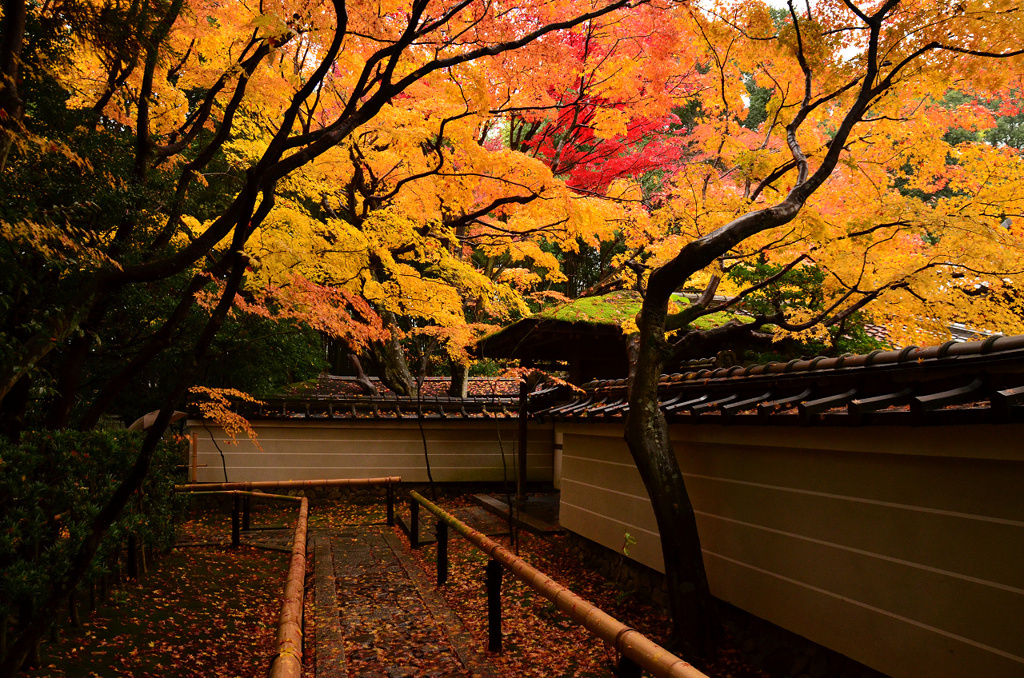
x,y
235,540
442,552
133,557
524,413
414,523
391,503
193,467
493,606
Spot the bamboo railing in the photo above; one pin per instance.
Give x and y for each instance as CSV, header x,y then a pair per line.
x,y
287,663
289,484
629,642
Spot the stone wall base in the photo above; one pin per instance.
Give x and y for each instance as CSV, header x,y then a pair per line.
x,y
780,653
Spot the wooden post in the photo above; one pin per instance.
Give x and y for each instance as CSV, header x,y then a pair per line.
x,y
524,397
391,504
133,557
442,552
235,541
245,513
627,668
74,619
494,606
414,523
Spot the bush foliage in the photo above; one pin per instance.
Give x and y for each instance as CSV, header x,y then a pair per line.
x,y
52,486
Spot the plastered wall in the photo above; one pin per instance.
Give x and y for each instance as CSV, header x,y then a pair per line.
x,y
902,548
466,450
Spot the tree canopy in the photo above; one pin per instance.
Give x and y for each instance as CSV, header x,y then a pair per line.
x,y
175,171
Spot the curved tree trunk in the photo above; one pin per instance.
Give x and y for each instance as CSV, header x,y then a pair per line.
x,y
694,619
369,388
389,355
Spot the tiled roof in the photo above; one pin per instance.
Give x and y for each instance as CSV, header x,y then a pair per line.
x,y
332,386
956,382
341,398
367,407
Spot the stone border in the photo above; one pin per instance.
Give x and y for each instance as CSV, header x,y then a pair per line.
x,y
330,642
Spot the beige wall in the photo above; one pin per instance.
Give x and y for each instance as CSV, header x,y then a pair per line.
x,y
900,547
459,450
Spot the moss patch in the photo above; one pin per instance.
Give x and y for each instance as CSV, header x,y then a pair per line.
x,y
620,307
707,322
613,308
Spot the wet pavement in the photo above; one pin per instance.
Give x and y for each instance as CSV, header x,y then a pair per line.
x,y
385,619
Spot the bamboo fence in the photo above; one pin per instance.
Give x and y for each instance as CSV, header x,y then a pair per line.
x,y
629,642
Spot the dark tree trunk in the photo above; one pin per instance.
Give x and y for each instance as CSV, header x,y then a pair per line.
x,y
522,440
459,385
67,382
132,557
30,660
369,388
14,407
389,355
693,616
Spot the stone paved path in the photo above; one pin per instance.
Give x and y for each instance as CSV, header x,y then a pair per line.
x,y
386,620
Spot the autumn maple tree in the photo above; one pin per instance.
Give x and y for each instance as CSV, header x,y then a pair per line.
x,y
389,171
145,145
843,175
451,207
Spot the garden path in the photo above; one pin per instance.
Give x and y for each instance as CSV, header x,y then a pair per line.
x,y
380,617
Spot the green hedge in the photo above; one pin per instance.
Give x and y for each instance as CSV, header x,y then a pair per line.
x,y
54,483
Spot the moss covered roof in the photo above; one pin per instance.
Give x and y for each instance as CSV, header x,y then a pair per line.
x,y
614,308
588,329
619,308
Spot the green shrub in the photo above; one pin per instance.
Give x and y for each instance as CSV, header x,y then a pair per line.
x,y
52,486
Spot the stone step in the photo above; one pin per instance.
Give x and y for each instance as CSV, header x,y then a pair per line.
x,y
520,518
